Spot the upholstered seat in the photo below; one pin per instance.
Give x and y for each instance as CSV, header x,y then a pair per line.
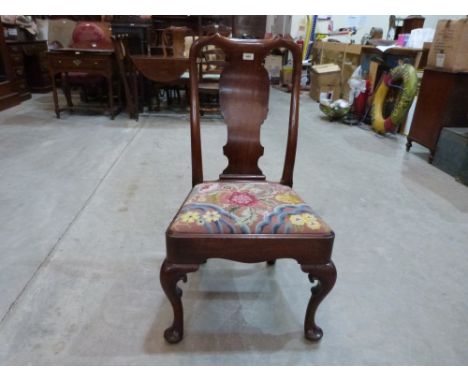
x,y
246,208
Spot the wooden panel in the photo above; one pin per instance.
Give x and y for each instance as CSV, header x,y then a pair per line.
x,y
244,88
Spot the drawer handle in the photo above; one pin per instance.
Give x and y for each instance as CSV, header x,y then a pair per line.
x,y
77,62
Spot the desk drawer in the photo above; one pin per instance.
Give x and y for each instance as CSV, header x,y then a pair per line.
x,y
22,86
14,48
19,72
16,59
74,63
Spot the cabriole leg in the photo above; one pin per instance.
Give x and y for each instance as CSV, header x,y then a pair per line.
x,y
324,277
170,275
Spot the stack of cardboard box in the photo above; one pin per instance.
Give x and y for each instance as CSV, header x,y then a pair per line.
x,y
449,48
325,82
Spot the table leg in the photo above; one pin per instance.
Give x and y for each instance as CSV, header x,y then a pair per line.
x,y
111,97
54,92
66,90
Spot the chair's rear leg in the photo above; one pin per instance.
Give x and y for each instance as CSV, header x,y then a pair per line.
x,y
170,275
325,275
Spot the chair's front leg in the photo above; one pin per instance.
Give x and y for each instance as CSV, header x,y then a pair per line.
x,y
325,276
170,275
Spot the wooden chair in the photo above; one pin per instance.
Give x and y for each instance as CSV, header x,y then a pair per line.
x,y
127,74
242,217
211,64
173,39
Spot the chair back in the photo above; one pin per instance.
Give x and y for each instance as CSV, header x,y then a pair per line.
x,y
243,94
126,71
173,38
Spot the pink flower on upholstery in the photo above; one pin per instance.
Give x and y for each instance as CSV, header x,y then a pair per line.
x,y
207,187
242,199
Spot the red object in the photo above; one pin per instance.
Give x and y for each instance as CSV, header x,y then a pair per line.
x,y
361,100
389,126
300,43
91,35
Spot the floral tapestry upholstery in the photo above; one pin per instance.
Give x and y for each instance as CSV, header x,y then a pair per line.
x,y
246,208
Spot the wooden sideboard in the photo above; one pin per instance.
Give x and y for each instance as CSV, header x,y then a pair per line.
x,y
442,102
30,69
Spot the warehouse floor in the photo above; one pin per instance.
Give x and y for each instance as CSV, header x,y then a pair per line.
x,y
84,203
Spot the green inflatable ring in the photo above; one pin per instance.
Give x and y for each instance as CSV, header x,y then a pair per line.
x,y
407,74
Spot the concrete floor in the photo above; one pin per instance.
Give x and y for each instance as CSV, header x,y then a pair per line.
x,y
84,203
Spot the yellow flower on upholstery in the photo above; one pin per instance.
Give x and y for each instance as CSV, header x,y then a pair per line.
x,y
190,217
311,221
297,220
288,198
211,216
305,219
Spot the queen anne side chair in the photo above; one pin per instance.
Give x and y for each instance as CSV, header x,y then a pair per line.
x,y
242,217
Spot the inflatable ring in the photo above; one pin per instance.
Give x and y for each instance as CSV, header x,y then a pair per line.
x,y
407,74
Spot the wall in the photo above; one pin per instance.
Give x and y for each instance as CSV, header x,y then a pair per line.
x,y
367,22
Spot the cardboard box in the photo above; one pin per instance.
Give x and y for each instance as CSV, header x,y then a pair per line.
x,y
286,75
325,82
449,48
273,65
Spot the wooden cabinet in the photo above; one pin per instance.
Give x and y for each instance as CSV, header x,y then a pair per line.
x,y
8,92
29,62
442,102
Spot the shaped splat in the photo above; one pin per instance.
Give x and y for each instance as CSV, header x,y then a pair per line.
x,y
243,95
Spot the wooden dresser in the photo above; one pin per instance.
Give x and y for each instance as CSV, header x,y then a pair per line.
x,y
30,68
442,102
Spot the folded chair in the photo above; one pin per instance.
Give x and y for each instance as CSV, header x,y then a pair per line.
x,y
242,217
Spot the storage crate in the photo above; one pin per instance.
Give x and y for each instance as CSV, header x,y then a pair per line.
x,y
452,153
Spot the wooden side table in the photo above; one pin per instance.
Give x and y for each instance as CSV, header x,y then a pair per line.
x,y
164,71
89,61
442,102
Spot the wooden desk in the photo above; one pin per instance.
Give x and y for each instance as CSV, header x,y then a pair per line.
x,y
89,61
391,57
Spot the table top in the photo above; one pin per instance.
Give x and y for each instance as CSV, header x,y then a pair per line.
x,y
81,51
161,69
399,50
146,57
